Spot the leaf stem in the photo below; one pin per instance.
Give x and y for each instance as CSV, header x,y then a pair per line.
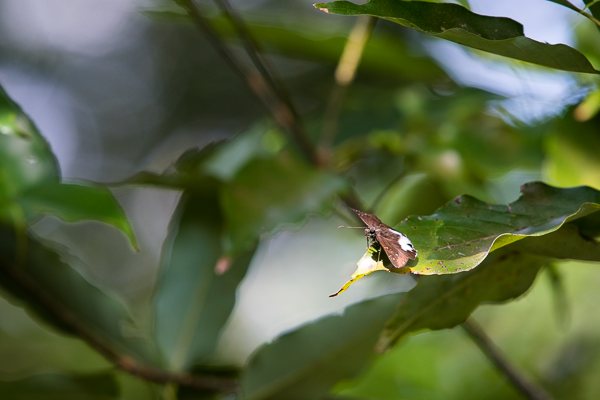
x,y
254,51
494,354
345,73
261,81
569,5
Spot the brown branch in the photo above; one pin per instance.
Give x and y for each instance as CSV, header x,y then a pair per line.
x,y
569,5
254,51
494,354
261,82
125,362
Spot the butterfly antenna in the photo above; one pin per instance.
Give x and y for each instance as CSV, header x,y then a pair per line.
x,y
351,227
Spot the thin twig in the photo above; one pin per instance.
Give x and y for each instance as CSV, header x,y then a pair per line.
x,y
254,51
569,5
259,82
263,84
344,76
494,354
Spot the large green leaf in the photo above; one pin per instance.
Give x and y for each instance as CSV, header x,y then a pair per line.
x,y
25,157
29,179
270,192
306,362
461,234
40,278
439,302
453,22
100,386
75,203
197,285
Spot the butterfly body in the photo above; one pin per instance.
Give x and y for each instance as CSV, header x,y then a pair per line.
x,y
396,245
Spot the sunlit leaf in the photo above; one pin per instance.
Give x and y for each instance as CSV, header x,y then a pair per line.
x,y
455,23
461,234
25,157
366,265
197,284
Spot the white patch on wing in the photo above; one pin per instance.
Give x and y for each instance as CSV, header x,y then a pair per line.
x,y
404,241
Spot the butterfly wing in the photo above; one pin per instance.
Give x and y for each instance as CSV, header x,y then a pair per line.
x,y
396,245
369,219
399,254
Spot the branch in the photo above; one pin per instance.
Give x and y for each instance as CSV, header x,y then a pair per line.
x,y
494,354
124,362
261,82
569,5
252,48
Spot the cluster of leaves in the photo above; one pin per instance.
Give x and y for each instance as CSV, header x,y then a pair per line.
x,y
234,192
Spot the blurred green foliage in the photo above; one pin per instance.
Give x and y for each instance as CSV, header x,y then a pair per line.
x,y
402,139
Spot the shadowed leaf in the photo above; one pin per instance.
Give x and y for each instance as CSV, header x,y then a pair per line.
x,y
439,302
198,282
306,362
455,23
75,203
61,386
38,277
268,193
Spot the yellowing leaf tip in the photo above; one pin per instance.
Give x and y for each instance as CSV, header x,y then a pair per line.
x,y
320,7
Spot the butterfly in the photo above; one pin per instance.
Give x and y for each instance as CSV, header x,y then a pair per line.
x,y
396,245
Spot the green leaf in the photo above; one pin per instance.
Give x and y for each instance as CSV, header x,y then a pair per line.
x,y
48,286
268,193
260,141
25,157
306,362
54,386
197,285
29,179
439,302
75,203
497,35
461,234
